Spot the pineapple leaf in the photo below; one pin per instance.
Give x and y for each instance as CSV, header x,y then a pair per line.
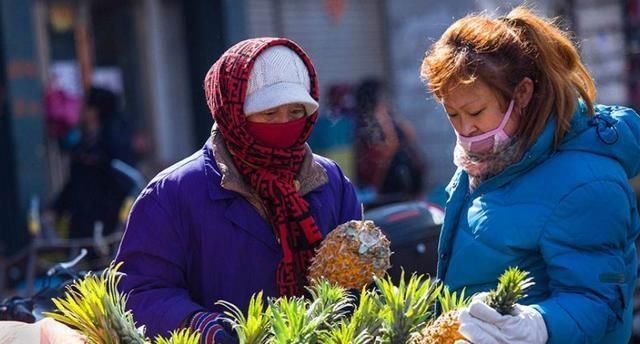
x,y
254,328
95,307
405,308
343,333
366,317
450,301
363,325
329,301
182,336
512,285
294,321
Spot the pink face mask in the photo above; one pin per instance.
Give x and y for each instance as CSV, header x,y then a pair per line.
x,y
489,141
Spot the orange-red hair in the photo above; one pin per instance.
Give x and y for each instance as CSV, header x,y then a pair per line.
x,y
501,52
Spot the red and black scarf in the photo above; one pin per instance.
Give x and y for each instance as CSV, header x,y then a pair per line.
x,y
270,171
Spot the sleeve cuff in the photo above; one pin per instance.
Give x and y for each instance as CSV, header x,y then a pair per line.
x,y
207,324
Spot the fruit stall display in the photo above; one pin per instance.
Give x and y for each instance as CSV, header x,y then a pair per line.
x,y
350,300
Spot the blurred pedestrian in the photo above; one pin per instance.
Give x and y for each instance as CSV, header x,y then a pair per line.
x,y
387,155
333,134
94,192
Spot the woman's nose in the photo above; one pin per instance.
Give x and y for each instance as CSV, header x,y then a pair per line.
x,y
467,128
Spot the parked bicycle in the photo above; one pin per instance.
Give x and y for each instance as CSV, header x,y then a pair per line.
x,y
30,309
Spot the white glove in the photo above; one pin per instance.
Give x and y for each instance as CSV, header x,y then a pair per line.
x,y
481,324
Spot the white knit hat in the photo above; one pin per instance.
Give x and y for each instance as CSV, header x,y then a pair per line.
x,y
279,76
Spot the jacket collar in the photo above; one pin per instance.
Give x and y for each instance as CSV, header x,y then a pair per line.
x,y
540,150
225,181
532,157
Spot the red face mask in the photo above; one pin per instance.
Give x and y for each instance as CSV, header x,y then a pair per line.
x,y
277,135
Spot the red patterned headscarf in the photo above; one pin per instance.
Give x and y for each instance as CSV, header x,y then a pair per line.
x,y
271,172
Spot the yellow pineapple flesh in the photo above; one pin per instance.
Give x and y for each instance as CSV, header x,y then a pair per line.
x,y
351,255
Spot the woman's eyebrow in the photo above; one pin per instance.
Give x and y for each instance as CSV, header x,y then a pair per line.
x,y
473,101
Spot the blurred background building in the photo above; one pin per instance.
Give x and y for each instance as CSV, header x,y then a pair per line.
x,y
154,54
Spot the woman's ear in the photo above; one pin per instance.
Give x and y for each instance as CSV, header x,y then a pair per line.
x,y
523,93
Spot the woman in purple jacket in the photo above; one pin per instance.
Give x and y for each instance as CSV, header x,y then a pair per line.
x,y
244,213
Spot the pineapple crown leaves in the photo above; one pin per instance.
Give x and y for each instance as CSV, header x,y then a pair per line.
x,y
405,308
450,301
363,325
512,285
346,333
94,306
182,336
366,317
329,300
254,328
299,320
292,321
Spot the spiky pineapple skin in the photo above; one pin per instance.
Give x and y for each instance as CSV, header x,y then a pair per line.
x,y
442,331
351,255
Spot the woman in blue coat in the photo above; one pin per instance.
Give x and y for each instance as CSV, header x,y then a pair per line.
x,y
542,182
245,212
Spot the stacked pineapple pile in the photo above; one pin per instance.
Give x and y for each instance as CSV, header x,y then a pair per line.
x,y
353,256
388,313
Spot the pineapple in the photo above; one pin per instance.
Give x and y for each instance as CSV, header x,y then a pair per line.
x,y
330,301
254,328
363,325
344,333
405,308
291,323
511,287
299,320
445,328
182,336
366,317
293,319
351,255
95,307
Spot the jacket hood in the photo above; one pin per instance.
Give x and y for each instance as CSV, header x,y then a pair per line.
x,y
614,132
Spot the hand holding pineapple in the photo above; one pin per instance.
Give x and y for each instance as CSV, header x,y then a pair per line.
x,y
496,317
481,324
493,317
